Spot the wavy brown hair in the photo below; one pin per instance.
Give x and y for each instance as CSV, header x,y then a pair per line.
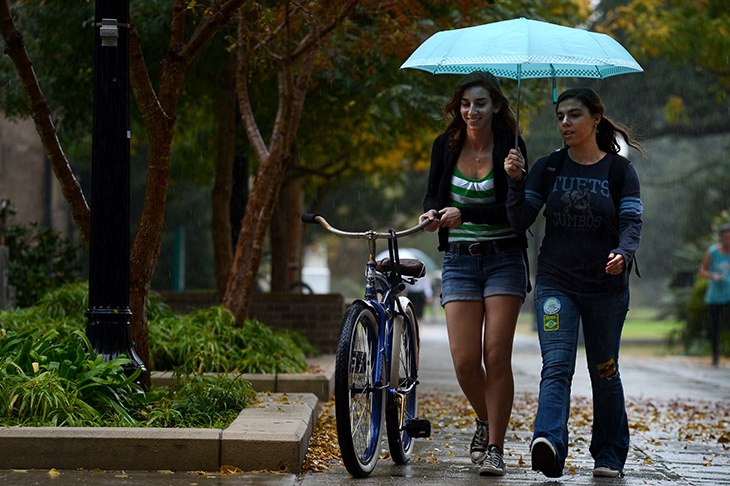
x,y
504,119
607,128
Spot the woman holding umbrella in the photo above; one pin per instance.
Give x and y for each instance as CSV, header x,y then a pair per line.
x,y
593,226
484,277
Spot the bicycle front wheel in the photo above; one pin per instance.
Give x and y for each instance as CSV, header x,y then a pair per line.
x,y
403,407
358,404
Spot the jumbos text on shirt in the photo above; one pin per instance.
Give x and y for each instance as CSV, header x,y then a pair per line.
x,y
576,209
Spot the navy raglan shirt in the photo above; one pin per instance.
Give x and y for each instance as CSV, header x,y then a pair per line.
x,y
581,227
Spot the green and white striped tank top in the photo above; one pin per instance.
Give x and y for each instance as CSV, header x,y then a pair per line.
x,y
472,192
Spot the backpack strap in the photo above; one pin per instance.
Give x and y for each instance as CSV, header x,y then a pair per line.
x,y
552,169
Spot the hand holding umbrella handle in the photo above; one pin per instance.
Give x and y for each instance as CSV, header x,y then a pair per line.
x,y
514,165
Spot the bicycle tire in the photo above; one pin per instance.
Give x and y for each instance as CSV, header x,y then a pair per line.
x,y
399,411
300,287
358,406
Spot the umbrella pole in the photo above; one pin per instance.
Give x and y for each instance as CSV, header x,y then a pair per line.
x,y
517,128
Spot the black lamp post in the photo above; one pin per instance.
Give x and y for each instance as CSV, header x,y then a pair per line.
x,y
108,326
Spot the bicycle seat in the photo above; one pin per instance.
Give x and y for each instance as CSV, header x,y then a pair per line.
x,y
409,267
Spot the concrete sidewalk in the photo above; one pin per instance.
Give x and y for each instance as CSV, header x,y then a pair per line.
x,y
679,408
689,400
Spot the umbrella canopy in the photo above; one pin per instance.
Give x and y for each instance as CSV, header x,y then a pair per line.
x,y
521,49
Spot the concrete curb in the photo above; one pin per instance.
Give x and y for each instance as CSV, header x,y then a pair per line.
x,y
272,435
320,383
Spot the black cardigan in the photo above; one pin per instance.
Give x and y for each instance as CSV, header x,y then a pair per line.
x,y
443,162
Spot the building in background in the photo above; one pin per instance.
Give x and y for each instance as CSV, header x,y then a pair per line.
x,y
28,181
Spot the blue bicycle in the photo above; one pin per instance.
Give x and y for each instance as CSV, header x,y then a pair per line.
x,y
376,367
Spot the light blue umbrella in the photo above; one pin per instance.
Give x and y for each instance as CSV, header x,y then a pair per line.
x,y
521,49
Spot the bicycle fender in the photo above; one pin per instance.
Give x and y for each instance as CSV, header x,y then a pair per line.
x,y
377,312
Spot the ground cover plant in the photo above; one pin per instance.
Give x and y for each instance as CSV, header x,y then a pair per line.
x,y
205,340
50,375
47,381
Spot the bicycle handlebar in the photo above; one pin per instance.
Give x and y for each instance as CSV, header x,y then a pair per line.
x,y
366,235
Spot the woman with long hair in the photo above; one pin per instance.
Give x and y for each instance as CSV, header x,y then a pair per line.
x,y
484,277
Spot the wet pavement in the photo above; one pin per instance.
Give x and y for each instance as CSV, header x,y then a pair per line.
x,y
679,412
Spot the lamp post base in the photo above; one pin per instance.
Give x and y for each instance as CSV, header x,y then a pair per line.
x,y
109,331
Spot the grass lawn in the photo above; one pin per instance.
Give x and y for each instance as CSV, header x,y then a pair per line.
x,y
645,324
641,324
644,332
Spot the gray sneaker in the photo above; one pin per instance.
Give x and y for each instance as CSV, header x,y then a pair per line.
x,y
606,472
494,463
478,449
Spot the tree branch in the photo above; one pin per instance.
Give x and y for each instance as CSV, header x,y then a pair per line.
x,y
316,35
244,100
216,15
149,106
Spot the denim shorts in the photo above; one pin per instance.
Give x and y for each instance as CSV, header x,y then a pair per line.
x,y
473,278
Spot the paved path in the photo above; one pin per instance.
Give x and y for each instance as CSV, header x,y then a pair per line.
x,y
664,393
679,413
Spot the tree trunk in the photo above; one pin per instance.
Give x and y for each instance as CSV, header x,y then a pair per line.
x,y
223,185
273,163
250,246
285,236
278,241
41,114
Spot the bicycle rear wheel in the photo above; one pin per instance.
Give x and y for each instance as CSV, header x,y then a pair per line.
x,y
358,405
403,407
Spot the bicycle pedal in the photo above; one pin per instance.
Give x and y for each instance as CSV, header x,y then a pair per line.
x,y
418,428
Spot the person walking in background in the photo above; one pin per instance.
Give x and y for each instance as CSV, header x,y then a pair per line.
x,y
484,277
593,215
716,268
420,294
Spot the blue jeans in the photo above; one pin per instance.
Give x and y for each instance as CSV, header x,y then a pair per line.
x,y
558,319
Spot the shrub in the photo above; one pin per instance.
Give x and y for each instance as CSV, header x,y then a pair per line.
x,y
206,340
40,260
694,313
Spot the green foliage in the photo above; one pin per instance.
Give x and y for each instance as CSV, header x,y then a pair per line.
x,y
693,313
201,401
40,260
689,304
207,340
47,381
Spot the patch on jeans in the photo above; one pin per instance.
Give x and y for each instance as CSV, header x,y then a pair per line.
x,y
607,369
551,306
550,322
